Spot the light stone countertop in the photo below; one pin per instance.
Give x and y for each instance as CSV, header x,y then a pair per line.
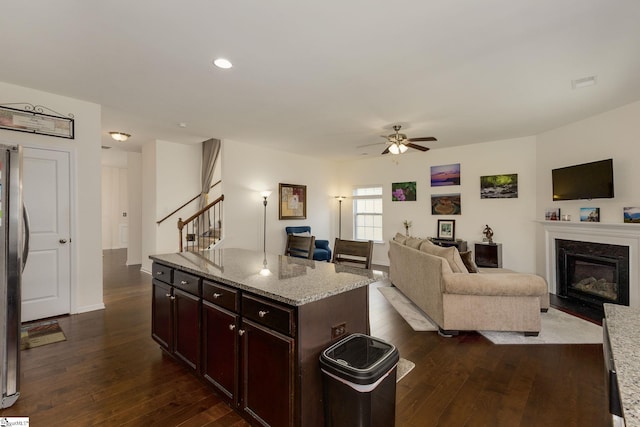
x,y
623,325
293,281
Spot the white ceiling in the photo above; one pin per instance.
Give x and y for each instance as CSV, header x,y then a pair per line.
x,y
322,78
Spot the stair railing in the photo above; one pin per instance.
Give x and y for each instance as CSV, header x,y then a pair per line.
x,y
203,228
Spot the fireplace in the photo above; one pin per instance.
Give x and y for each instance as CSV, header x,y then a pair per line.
x,y
592,273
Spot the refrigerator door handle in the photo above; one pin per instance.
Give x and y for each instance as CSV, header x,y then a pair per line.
x,y
27,235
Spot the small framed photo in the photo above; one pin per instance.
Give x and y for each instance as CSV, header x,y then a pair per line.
x,y
590,214
631,215
552,214
447,229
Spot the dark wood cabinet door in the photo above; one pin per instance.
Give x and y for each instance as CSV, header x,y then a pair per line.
x,y
162,315
267,375
220,361
187,328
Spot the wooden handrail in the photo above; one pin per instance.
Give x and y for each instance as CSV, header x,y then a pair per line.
x,y
185,204
181,223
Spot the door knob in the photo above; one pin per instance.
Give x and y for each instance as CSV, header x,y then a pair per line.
x,y
63,241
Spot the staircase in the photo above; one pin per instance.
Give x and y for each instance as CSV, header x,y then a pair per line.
x,y
203,229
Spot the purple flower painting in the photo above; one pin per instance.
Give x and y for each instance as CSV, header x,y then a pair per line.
x,y
403,191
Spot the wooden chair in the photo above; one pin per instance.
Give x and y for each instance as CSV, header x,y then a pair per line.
x,y
353,253
300,246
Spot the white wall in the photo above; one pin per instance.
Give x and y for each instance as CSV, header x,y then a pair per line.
x,y
86,252
249,169
511,219
134,179
171,176
614,134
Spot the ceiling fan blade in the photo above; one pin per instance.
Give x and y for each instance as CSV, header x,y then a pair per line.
x,y
417,147
386,150
426,138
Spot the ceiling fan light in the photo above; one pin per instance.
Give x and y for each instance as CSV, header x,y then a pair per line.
x,y
394,149
402,148
119,136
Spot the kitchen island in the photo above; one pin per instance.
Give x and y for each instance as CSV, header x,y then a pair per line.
x,y
252,325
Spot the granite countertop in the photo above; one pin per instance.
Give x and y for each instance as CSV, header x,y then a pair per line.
x,y
293,281
624,334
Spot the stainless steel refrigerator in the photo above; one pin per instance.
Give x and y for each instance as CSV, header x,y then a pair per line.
x,y
14,247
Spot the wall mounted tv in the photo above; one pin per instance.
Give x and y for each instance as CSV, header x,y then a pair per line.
x,y
586,181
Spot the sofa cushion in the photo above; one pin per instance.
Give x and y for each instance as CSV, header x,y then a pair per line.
x,y
400,238
467,259
450,253
505,284
414,242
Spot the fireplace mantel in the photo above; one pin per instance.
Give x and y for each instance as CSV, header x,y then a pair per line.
x,y
611,233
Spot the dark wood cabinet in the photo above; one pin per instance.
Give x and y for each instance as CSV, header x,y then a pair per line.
x,y
267,374
162,314
220,349
187,328
488,254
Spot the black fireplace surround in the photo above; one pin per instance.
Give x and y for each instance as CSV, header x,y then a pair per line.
x,y
592,273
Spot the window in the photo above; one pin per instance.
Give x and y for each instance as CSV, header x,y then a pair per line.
x,y
367,213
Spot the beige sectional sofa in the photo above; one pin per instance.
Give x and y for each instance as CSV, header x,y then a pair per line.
x,y
438,282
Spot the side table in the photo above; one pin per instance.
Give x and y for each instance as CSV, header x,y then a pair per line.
x,y
488,254
460,244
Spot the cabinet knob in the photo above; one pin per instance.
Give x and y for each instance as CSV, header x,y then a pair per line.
x,y
232,327
184,282
241,332
172,297
216,295
168,295
159,273
262,313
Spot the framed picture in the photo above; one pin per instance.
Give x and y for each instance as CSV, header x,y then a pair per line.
x,y
499,186
445,175
403,192
36,121
631,215
590,214
552,214
446,204
447,229
293,201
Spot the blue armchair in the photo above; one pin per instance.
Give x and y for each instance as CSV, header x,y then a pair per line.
x,y
322,251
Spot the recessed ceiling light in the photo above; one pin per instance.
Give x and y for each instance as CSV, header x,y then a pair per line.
x,y
182,124
584,82
222,63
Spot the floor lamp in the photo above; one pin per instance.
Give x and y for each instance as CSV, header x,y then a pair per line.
x,y
264,195
340,199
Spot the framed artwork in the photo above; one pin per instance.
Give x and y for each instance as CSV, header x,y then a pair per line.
x,y
552,214
34,120
499,186
403,191
447,229
446,204
631,215
293,201
445,175
590,214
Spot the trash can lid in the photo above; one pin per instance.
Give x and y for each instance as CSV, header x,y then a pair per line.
x,y
359,358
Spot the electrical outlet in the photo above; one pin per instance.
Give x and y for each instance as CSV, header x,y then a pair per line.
x,y
338,330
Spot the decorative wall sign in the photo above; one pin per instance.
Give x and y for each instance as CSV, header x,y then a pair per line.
x,y
33,119
445,175
499,186
293,201
403,192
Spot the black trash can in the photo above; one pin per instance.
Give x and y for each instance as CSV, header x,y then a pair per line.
x,y
359,382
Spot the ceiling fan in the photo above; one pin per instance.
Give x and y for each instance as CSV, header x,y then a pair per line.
x,y
399,143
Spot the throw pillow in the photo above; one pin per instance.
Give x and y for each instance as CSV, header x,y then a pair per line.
x,y
400,238
450,253
413,242
467,259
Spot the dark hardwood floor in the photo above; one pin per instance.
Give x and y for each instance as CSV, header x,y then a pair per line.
x,y
110,373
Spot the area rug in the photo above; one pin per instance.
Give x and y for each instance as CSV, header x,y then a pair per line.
x,y
403,368
41,333
408,310
556,326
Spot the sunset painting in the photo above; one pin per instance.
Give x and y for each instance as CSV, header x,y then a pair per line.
x,y
445,175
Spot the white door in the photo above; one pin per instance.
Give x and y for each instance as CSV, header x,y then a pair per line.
x,y
46,280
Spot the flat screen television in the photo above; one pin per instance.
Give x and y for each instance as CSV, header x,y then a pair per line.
x,y
586,181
